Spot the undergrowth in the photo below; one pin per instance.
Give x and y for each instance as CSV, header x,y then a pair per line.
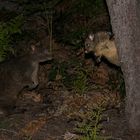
x,y
76,20
7,30
116,82
80,83
90,128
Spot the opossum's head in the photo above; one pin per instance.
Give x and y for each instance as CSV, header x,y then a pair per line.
x,y
90,43
93,39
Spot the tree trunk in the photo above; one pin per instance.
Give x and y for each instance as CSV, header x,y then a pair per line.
x,y
125,20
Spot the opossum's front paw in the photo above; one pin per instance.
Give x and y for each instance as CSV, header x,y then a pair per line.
x,y
98,59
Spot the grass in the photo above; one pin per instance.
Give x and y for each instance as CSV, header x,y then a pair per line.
x,y
72,75
48,16
80,82
90,128
7,30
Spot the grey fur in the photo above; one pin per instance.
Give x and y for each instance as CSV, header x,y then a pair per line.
x,y
18,73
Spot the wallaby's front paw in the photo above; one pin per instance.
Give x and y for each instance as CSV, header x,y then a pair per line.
x,y
32,86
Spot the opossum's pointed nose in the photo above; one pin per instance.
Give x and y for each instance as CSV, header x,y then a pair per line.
x,y
86,51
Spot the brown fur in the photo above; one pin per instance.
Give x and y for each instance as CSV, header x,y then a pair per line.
x,y
108,50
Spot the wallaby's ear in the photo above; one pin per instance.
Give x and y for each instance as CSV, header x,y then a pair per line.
x,y
91,36
33,48
38,44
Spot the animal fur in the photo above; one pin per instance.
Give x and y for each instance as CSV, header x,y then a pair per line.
x,y
18,73
93,39
107,49
102,44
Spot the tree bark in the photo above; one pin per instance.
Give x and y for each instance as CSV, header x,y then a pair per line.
x,y
125,20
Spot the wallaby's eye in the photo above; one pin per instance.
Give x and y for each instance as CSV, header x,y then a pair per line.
x,y
87,45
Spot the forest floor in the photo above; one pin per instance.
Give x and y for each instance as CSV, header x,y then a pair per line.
x,y
79,102
75,99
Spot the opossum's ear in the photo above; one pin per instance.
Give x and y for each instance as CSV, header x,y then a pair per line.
x,y
111,35
91,36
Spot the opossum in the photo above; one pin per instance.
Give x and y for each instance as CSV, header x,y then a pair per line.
x,y
102,44
93,39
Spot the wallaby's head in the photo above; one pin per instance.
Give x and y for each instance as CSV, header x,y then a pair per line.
x,y
93,39
40,54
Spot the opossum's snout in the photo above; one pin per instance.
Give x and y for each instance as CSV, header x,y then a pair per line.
x,y
86,51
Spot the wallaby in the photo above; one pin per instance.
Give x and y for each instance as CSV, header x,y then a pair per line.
x,y
102,44
18,73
